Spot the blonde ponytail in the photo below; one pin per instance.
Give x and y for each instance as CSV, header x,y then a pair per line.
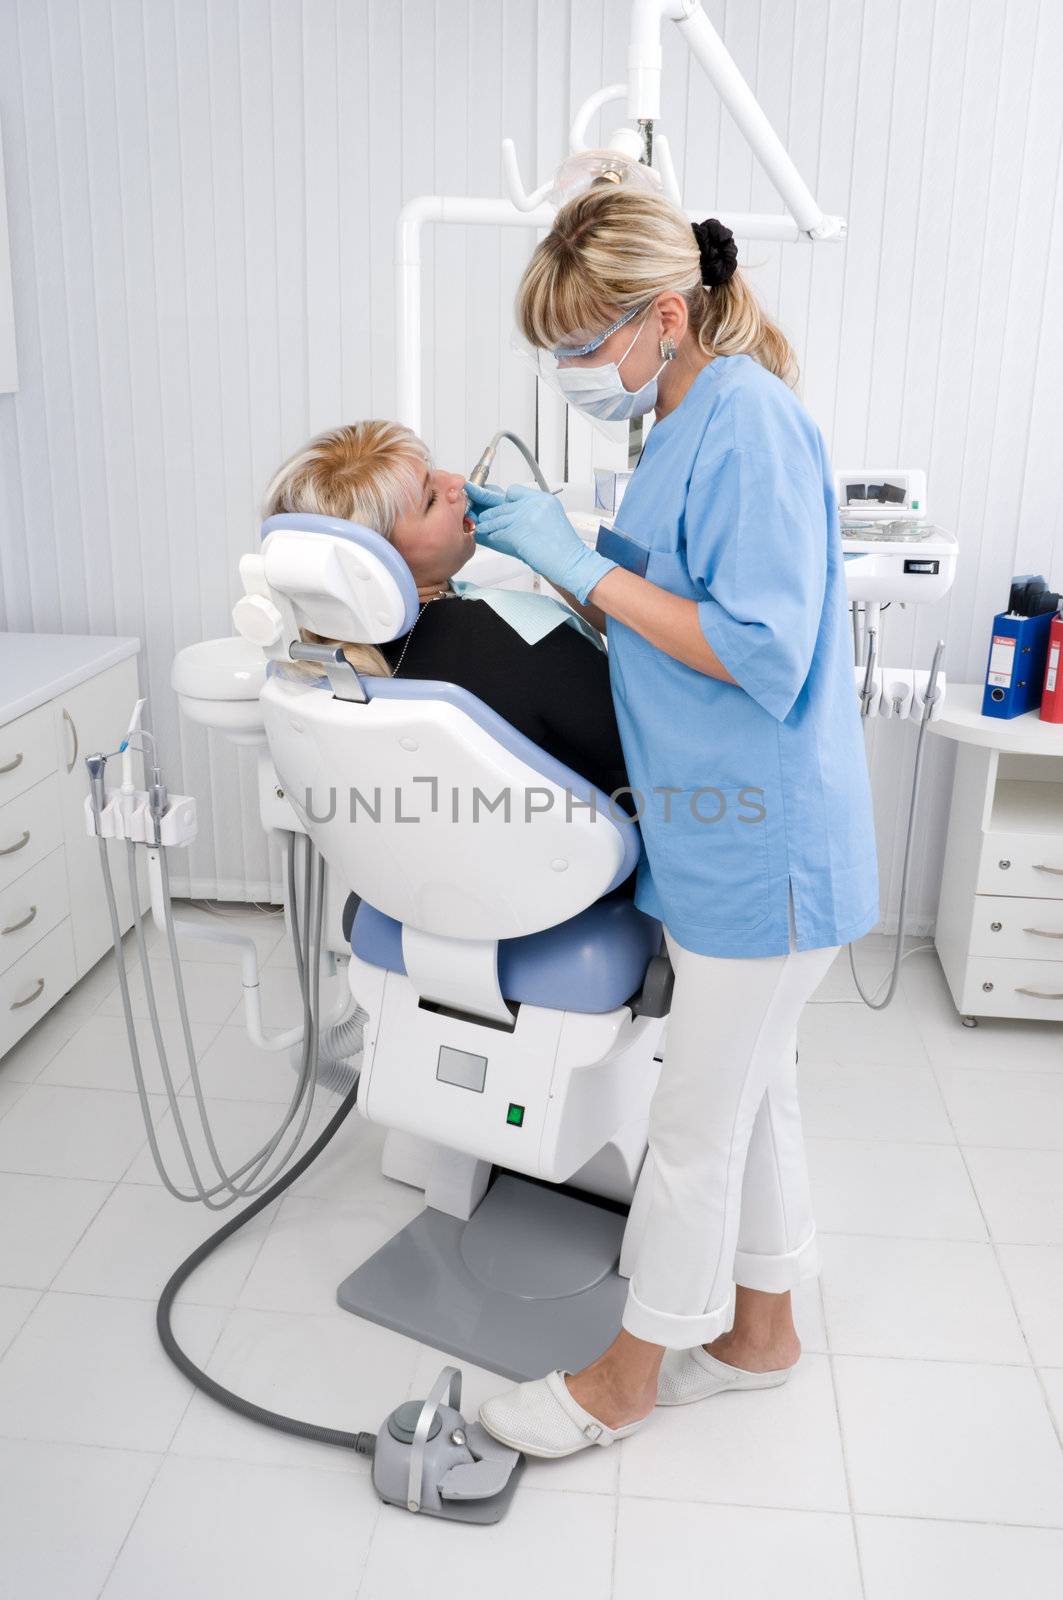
x,y
614,248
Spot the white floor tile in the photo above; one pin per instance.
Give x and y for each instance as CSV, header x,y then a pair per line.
x,y
1012,1107
855,1034
959,1442
314,1244
1035,1273
95,986
336,1370
240,1129
10,1092
923,1560
218,1529
43,1220
92,1371
1021,1192
547,1544
25,1061
930,1298
212,990
350,1163
769,1447
871,1100
917,1191
15,1307
98,1057
64,1511
1052,1378
234,1068
671,1547
73,1133
142,1234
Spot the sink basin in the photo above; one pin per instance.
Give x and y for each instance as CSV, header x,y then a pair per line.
x,y
217,683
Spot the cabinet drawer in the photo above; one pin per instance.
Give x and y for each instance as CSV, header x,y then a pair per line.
x,y
27,752
32,906
30,988
1004,925
1017,988
30,829
1022,864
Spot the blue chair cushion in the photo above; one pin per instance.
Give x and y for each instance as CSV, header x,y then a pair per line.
x,y
593,962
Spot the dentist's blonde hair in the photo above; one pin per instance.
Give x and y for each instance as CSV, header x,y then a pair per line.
x,y
365,472
614,248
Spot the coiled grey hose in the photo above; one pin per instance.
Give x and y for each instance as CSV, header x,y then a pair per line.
x,y
308,946
255,1163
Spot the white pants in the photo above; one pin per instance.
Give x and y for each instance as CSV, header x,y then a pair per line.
x,y
723,1194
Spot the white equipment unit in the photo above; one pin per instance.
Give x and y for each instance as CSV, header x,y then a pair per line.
x,y
1000,918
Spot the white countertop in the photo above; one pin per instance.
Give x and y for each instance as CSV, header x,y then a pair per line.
x,y
961,719
35,667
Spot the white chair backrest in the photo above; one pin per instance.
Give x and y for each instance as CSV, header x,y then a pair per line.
x,y
422,799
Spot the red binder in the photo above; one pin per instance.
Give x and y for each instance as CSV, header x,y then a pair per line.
x,y
1052,698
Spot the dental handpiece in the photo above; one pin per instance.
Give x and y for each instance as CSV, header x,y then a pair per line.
x,y
479,473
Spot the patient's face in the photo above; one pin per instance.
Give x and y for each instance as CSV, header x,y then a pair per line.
x,y
433,537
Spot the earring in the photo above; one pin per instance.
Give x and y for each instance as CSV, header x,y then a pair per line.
x,y
667,348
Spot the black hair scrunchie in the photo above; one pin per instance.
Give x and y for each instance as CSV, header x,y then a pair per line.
x,y
718,251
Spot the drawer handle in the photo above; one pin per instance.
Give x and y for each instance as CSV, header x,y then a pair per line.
x,y
10,849
11,765
16,1005
15,926
70,723
1046,933
1056,871
1042,994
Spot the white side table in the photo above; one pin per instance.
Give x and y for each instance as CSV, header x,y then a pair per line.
x,y
1000,918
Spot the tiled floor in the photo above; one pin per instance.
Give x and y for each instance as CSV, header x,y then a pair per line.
x,y
915,1452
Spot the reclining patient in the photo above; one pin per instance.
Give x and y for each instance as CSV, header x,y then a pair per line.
x,y
554,690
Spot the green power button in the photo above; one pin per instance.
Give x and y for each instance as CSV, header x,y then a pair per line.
x,y
515,1115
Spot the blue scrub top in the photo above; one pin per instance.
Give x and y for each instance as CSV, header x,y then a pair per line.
x,y
733,505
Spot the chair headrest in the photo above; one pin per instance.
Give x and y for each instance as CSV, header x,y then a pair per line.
x,y
330,576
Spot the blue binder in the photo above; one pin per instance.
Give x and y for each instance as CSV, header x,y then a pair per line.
x,y
1016,667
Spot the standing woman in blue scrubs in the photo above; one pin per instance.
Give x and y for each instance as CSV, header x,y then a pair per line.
x,y
723,592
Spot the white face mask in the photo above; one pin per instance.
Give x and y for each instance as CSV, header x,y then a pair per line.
x,y
600,392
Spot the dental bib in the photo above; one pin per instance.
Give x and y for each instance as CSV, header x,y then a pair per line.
x,y
531,615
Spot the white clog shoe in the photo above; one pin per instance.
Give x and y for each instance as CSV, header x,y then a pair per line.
x,y
542,1418
688,1375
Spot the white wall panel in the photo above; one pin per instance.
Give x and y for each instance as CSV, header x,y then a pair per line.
x,y
202,197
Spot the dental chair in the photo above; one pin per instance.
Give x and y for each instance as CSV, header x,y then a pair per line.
x,y
516,1002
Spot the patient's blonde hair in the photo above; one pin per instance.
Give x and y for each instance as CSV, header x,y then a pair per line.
x,y
614,248
365,472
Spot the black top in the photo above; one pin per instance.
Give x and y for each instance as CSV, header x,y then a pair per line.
x,y
555,692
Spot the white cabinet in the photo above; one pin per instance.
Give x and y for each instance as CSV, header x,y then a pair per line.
x,y
1000,918
61,697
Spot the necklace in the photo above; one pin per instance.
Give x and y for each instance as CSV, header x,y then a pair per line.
x,y
444,594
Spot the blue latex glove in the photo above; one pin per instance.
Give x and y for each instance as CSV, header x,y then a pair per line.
x,y
532,526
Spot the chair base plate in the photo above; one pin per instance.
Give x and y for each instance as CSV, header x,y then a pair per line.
x,y
527,1285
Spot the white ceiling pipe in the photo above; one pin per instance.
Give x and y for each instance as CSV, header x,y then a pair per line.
x,y
502,213
644,54
709,49
411,220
